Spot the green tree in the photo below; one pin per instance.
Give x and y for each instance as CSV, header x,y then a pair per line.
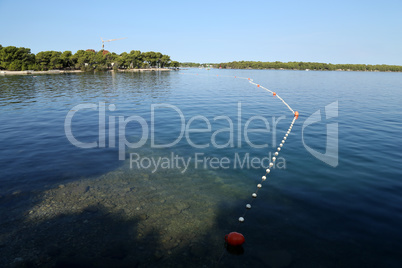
x,y
66,59
124,61
135,59
112,60
43,60
99,61
175,64
16,59
151,58
55,60
84,59
13,58
158,57
165,61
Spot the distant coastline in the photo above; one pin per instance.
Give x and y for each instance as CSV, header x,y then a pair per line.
x,y
304,66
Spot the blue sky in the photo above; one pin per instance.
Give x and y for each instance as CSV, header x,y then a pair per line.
x,y
367,32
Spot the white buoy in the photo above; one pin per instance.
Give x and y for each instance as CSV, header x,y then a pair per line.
x,y
254,195
281,144
271,164
284,138
241,219
248,206
268,170
283,141
276,153
263,178
287,134
273,159
259,185
279,148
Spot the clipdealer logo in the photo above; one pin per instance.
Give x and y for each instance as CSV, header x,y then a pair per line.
x,y
331,155
187,130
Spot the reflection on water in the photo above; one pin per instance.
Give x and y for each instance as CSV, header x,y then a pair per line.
x,y
35,149
15,90
69,88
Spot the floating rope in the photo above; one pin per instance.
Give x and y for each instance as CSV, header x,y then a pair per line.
x,y
235,239
267,171
274,93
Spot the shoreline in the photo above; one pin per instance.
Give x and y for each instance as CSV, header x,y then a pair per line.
x,y
5,72
28,72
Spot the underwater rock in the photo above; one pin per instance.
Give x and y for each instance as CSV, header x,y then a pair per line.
x,y
91,209
181,206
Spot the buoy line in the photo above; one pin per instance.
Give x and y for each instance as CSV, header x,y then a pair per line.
x,y
235,239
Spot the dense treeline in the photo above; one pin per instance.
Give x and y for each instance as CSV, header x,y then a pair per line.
x,y
190,64
307,65
20,59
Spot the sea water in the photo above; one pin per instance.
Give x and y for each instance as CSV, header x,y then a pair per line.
x,y
155,168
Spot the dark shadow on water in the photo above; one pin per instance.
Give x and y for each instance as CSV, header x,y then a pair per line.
x,y
147,220
100,236
94,237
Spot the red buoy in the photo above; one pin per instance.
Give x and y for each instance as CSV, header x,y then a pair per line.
x,y
297,114
274,94
234,239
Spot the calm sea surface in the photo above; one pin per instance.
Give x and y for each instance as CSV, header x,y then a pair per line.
x,y
173,157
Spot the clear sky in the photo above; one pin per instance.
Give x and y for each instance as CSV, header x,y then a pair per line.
x,y
367,32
